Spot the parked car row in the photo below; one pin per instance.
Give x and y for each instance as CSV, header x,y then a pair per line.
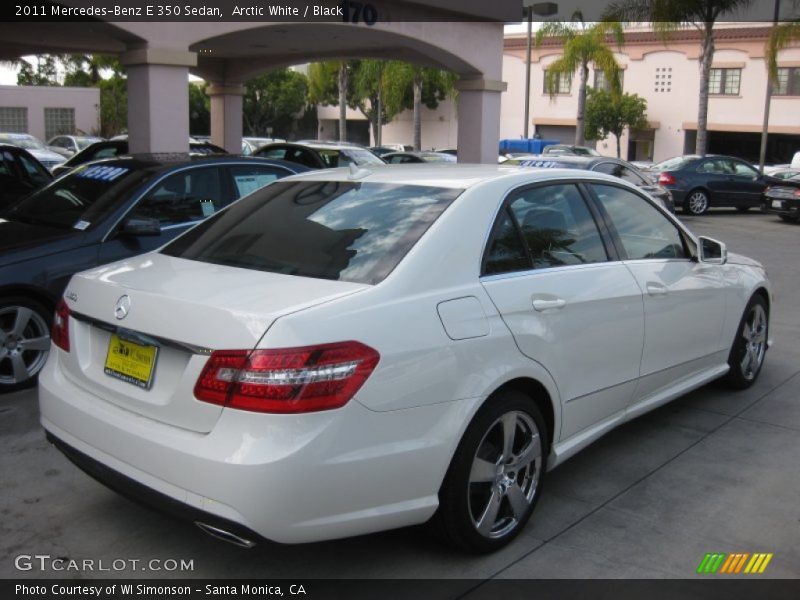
x,y
99,213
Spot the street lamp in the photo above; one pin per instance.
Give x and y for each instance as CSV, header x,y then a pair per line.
x,y
540,9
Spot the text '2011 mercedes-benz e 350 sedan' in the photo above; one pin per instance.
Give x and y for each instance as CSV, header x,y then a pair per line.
x,y
351,351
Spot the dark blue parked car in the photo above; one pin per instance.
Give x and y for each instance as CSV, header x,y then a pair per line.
x,y
102,212
700,182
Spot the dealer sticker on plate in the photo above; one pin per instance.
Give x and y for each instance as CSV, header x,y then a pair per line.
x,y
131,362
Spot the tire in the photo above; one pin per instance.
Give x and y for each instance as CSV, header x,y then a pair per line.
x,y
750,345
487,496
788,218
24,341
696,202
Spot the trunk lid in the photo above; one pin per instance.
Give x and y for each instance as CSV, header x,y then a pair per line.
x,y
185,309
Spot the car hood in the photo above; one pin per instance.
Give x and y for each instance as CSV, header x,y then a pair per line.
x,y
21,241
738,259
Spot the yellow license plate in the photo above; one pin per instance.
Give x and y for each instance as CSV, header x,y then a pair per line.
x,y
131,362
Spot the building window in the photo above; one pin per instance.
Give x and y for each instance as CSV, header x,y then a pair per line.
x,y
601,82
788,83
58,121
563,83
13,119
724,82
663,80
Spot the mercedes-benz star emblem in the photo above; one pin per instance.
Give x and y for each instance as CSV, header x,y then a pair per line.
x,y
122,307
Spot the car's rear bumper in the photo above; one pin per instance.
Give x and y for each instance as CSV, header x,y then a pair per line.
x,y
785,207
286,478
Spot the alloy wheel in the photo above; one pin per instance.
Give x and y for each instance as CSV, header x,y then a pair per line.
x,y
24,344
505,474
754,333
698,203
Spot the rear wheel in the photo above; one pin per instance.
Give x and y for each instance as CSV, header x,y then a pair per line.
x,y
696,202
24,342
750,346
496,475
788,219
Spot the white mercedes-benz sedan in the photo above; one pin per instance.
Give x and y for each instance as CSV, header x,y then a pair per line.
x,y
349,351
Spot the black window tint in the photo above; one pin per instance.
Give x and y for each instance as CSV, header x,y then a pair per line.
x,y
506,252
80,198
108,152
247,179
608,168
36,173
183,197
557,226
329,230
645,232
7,165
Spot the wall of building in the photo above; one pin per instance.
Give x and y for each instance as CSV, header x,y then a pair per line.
x,y
85,102
668,77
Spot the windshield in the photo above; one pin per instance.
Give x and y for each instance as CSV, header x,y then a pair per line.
x,y
27,142
343,157
343,231
86,142
73,201
672,164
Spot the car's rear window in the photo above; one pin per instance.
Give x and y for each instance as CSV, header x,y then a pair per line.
x,y
673,164
73,201
344,231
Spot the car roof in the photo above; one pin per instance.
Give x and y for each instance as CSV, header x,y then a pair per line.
x,y
166,161
447,175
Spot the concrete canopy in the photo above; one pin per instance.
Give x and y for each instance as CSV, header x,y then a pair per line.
x,y
159,55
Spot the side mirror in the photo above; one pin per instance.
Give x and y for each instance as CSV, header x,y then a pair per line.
x,y
711,251
140,227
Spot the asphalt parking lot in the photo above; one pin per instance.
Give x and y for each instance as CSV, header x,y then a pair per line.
x,y
715,471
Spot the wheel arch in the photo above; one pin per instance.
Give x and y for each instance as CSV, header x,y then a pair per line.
x,y
539,395
39,295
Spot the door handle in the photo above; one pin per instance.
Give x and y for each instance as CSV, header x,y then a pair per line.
x,y
656,289
546,304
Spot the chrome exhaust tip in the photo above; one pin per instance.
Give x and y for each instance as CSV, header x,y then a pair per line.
x,y
224,535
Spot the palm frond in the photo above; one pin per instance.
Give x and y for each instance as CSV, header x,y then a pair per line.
x,y
780,37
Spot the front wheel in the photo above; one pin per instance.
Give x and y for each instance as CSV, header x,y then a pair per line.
x,y
750,346
496,475
24,342
696,202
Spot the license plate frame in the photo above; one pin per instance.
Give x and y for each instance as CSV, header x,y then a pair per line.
x,y
131,361
777,204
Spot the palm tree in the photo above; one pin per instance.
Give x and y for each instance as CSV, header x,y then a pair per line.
x,y
666,16
583,44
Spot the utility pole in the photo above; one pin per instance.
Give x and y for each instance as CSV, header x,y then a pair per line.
x,y
540,9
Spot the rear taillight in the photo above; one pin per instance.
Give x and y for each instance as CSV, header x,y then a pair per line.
x,y
286,380
60,331
666,179
797,193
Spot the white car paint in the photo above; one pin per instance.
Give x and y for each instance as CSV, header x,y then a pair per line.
x,y
447,337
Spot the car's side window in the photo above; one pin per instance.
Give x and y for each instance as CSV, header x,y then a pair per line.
x,y
506,253
35,172
744,169
557,227
643,230
183,197
249,178
716,166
